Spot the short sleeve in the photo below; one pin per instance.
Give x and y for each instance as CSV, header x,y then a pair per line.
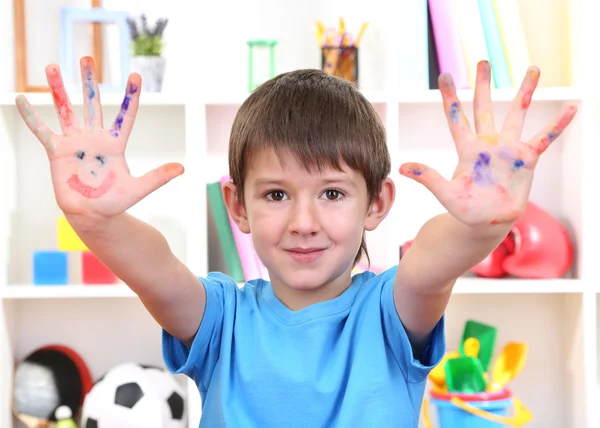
x,y
198,361
415,370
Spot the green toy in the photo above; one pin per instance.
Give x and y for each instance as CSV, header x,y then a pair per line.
x,y
64,418
486,335
253,80
464,375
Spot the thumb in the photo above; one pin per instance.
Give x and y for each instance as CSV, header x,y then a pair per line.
x,y
428,177
158,177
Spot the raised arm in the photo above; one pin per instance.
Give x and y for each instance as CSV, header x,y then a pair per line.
x,y
488,192
94,188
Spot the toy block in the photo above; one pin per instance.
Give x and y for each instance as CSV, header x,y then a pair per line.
x,y
67,239
50,267
94,271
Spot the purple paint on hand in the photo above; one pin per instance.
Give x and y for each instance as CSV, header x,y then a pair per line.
x,y
132,89
482,173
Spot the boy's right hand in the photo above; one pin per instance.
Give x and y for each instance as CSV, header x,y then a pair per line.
x,y
90,176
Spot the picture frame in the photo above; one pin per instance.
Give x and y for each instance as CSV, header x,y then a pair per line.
x,y
69,16
20,33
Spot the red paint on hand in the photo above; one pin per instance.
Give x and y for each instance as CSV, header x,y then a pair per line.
x,y
89,191
60,97
526,100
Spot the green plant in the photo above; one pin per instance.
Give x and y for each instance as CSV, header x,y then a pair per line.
x,y
144,40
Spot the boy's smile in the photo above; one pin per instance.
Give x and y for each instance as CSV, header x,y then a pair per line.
x,y
306,225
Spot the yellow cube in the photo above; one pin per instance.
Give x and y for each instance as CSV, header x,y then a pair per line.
x,y
67,239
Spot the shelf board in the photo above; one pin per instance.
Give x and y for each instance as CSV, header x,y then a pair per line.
x,y
517,286
498,95
71,291
107,99
429,96
463,286
236,99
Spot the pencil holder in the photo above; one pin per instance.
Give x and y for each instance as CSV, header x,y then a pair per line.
x,y
341,62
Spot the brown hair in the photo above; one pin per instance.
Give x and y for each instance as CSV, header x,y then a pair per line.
x,y
318,118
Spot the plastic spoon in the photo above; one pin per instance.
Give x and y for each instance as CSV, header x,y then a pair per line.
x,y
509,364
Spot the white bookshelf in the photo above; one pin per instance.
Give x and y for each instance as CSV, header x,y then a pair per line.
x,y
190,123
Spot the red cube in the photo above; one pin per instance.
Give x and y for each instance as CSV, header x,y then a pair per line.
x,y
94,271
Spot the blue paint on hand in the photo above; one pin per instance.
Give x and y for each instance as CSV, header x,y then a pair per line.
x,y
482,173
518,164
415,172
91,93
454,112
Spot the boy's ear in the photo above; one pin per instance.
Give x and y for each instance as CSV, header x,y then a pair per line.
x,y
235,207
381,205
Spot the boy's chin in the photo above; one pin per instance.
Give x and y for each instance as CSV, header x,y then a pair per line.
x,y
308,280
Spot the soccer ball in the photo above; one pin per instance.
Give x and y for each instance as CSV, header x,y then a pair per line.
x,y
132,395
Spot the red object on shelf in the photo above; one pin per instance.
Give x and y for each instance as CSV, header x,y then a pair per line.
x,y
94,271
537,247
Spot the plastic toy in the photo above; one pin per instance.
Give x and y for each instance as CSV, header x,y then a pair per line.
x,y
48,378
50,267
465,374
131,395
538,246
94,271
467,396
64,418
260,71
483,410
509,364
486,337
67,239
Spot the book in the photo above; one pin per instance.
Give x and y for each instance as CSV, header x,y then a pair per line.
x,y
471,36
224,231
513,38
444,19
495,47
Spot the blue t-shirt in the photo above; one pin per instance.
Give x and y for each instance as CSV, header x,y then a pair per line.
x,y
342,363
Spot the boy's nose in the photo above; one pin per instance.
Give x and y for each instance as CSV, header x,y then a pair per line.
x,y
304,220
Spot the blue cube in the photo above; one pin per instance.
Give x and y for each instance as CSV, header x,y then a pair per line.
x,y
50,267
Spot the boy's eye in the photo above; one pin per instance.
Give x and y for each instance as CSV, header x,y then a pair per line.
x,y
276,196
332,195
101,160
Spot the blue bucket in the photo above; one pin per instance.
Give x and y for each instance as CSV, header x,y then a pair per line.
x,y
459,414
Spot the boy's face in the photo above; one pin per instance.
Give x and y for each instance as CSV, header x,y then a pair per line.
x,y
307,227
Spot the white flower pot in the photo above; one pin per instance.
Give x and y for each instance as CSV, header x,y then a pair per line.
x,y
152,70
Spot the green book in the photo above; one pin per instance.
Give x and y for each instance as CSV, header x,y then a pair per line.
x,y
224,232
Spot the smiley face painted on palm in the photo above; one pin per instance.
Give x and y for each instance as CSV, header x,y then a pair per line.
x,y
95,178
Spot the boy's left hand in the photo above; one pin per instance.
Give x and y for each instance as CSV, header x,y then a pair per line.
x,y
493,177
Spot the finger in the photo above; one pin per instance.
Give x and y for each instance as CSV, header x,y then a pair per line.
x,y
459,125
157,178
66,117
482,101
540,142
428,177
513,124
35,124
92,109
126,116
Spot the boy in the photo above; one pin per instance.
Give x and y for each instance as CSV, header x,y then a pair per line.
x,y
314,346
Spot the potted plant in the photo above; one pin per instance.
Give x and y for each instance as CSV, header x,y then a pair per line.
x,y
147,46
